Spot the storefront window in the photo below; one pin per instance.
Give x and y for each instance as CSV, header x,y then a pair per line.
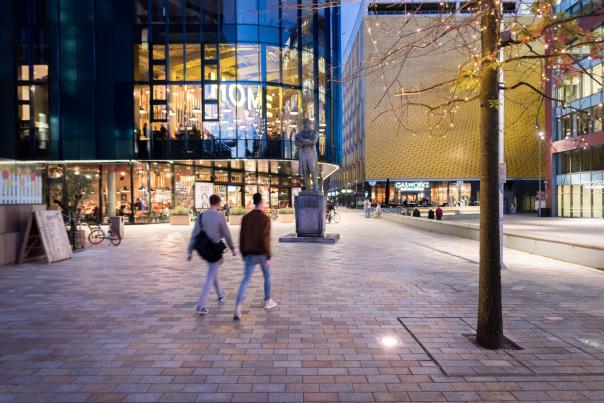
x,y
203,174
161,192
234,196
142,200
116,190
250,190
184,182
248,63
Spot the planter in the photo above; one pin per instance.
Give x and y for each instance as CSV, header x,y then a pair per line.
x,y
286,218
179,220
235,219
80,238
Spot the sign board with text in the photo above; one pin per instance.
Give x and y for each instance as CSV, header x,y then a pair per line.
x,y
422,186
46,235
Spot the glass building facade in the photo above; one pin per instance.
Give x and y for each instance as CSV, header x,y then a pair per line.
x,y
140,94
575,126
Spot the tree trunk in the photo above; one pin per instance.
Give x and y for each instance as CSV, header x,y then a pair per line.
x,y
490,322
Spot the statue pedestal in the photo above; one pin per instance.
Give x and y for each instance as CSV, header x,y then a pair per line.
x,y
311,208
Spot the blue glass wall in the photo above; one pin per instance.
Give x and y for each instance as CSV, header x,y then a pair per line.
x,y
177,79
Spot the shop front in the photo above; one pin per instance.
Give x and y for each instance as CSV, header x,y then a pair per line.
x,y
146,192
399,192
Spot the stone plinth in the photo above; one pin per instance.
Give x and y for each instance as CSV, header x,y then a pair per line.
x,y
310,214
311,208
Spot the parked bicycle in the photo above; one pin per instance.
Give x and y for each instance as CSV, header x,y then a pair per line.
x,y
333,216
98,235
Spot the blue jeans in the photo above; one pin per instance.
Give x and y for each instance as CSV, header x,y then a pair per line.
x,y
250,263
367,213
211,280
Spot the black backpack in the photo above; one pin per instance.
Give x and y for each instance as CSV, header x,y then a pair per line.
x,y
208,250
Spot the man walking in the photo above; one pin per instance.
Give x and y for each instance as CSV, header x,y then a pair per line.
x,y
213,223
255,247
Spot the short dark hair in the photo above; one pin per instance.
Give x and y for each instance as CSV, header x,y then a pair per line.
x,y
257,198
214,200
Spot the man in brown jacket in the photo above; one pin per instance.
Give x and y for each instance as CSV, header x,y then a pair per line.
x,y
255,246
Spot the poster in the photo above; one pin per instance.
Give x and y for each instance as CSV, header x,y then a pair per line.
x,y
203,191
20,184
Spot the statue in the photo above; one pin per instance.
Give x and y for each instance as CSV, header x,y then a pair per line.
x,y
306,141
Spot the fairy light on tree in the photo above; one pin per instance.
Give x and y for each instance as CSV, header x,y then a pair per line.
x,y
545,39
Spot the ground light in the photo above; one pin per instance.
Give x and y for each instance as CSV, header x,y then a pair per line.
x,y
388,341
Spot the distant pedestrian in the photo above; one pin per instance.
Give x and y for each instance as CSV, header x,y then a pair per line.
x,y
416,212
367,208
378,211
431,214
210,228
439,213
255,247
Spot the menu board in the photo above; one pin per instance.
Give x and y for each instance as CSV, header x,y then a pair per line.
x,y
47,227
20,184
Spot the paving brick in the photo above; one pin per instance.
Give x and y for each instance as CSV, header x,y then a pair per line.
x,y
126,330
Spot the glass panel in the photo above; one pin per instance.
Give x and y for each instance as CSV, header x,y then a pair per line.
x,y
23,93
275,134
228,67
234,196
184,182
209,52
116,190
159,72
247,12
176,62
141,62
210,111
193,70
161,192
269,12
23,72
273,64
141,111
81,196
184,112
248,63
159,52
250,190
41,72
210,72
290,67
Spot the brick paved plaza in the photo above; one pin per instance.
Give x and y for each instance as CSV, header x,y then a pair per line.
x,y
117,324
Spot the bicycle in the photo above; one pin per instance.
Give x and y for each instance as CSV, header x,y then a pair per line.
x,y
333,216
97,235
274,214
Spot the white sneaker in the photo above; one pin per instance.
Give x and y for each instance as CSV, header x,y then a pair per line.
x,y
270,304
237,314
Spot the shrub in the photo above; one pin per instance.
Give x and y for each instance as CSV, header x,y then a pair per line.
x,y
179,210
238,211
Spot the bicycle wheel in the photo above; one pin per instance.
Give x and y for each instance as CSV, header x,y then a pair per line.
x,y
336,218
115,239
96,236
